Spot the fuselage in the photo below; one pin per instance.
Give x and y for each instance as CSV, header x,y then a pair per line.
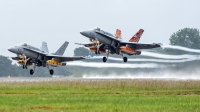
x,y
22,49
98,34
111,42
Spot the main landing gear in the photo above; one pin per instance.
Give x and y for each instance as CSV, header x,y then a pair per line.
x,y
24,66
106,58
50,70
33,70
125,59
97,52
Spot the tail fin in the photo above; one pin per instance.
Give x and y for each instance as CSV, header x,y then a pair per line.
x,y
137,36
44,47
61,50
118,33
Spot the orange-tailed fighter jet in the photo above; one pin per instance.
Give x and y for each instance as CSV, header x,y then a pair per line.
x,y
104,42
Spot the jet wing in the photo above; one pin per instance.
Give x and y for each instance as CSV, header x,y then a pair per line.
x,y
138,46
64,58
16,58
86,45
104,34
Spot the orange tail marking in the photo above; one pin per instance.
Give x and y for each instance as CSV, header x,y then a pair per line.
x,y
118,33
137,36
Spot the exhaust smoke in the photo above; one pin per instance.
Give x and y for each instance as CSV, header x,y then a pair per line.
x,y
181,48
156,66
114,65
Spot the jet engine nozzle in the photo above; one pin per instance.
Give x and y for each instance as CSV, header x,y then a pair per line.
x,y
54,63
22,62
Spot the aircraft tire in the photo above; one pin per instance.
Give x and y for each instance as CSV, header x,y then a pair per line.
x,y
51,71
31,71
125,59
104,59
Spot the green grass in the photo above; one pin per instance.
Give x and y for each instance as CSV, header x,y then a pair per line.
x,y
101,95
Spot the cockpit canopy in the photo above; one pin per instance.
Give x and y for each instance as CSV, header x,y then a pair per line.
x,y
97,28
23,44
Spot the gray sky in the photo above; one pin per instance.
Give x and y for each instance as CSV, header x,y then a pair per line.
x,y
56,21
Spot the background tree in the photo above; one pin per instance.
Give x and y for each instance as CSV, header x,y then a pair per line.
x,y
81,51
187,37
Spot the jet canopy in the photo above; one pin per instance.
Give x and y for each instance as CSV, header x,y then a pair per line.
x,y
23,44
97,28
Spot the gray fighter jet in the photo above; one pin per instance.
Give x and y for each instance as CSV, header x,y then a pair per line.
x,y
104,42
28,55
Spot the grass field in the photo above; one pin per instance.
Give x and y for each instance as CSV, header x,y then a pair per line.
x,y
101,95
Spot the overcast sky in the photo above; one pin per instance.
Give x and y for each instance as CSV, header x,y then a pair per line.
x,y
56,21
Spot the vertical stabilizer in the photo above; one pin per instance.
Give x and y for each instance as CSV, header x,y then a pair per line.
x,y
118,33
44,47
137,36
61,50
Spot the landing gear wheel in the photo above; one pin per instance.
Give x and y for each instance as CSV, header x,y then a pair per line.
x,y
24,67
125,59
96,52
51,72
31,71
104,59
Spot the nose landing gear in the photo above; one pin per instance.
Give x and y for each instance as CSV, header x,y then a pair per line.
x,y
33,70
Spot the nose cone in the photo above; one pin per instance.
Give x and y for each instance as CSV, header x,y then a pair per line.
x,y
12,49
85,33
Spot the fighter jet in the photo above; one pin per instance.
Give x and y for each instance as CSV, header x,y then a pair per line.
x,y
28,55
105,42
